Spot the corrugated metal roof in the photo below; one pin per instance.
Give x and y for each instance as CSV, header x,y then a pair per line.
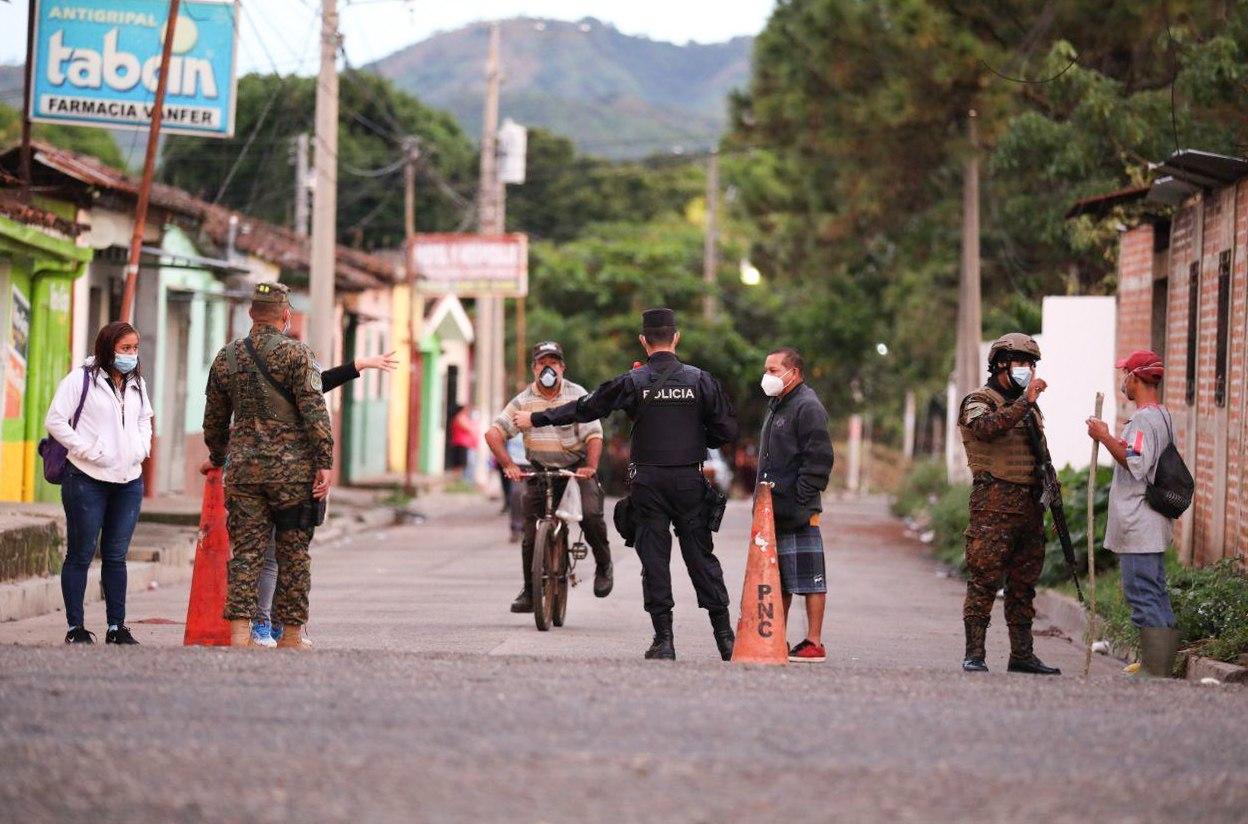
x,y
1204,169
1102,203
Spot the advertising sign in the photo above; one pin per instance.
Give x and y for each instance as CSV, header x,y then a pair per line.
x,y
471,265
97,63
17,349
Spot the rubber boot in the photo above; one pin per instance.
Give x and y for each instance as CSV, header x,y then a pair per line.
x,y
721,625
1022,656
293,638
976,636
664,647
1158,648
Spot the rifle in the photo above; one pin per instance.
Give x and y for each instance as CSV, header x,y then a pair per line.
x,y
1052,497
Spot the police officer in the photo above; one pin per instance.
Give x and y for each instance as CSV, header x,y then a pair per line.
x,y
1005,537
277,455
678,412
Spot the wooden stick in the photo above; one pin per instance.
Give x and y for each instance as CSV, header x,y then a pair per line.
x,y
1091,633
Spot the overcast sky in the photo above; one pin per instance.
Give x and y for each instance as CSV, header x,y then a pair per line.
x,y
282,33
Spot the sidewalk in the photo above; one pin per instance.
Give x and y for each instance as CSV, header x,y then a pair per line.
x,y
161,555
444,586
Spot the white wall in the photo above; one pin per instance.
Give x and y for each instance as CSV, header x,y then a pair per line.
x,y
1078,348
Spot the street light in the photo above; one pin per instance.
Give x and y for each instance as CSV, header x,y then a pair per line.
x,y
881,349
750,276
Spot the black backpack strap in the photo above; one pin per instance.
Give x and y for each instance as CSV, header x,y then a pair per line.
x,y
268,376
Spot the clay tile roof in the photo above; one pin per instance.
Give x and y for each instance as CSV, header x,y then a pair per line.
x,y
354,269
13,208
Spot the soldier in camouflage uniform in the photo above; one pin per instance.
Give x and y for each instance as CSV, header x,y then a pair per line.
x,y
277,455
1005,537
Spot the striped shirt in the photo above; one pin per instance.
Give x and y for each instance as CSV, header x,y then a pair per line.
x,y
553,446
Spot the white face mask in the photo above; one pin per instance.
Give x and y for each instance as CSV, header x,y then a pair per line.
x,y
1021,375
548,377
773,385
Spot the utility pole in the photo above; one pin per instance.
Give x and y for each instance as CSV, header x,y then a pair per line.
x,y
27,92
149,167
710,252
325,195
489,363
415,317
302,184
967,371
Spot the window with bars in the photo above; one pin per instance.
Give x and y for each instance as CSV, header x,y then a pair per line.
x,y
1193,316
1224,327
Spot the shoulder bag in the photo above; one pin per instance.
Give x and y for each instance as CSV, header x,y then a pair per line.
x,y
1170,492
53,452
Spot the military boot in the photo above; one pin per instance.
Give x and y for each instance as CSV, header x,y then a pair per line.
x,y
663,648
240,633
1022,657
721,626
293,638
1158,648
976,635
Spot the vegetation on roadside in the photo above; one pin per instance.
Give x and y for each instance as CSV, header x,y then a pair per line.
x,y
1210,603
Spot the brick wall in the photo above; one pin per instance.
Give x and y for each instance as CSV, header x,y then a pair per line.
x,y
1135,295
1211,436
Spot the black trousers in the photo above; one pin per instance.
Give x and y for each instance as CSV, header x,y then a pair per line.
x,y
674,496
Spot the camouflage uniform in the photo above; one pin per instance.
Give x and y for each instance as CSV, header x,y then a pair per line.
x,y
271,455
1005,536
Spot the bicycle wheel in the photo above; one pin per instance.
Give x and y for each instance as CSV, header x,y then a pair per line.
x,y
539,574
559,572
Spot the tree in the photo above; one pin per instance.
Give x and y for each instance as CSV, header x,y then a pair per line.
x,y
98,143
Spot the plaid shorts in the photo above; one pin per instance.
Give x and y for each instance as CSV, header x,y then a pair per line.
x,y
801,561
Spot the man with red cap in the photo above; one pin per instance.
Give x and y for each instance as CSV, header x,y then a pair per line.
x,y
1136,532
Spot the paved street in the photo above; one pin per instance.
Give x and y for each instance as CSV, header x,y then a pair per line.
x,y
428,700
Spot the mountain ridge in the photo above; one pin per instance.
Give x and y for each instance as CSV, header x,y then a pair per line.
x,y
612,94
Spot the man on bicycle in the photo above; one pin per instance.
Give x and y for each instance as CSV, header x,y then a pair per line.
x,y
576,446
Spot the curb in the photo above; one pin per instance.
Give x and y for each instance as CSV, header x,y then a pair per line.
x,y
1069,616
42,596
1199,668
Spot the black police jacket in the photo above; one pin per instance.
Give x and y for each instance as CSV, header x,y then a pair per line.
x,y
795,454
689,414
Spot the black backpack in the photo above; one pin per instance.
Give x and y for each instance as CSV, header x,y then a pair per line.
x,y
1170,492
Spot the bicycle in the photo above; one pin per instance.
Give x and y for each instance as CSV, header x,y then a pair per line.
x,y
551,574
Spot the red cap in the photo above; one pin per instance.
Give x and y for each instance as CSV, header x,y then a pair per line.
x,y
1144,364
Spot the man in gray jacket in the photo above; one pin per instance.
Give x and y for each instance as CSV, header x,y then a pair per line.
x,y
795,454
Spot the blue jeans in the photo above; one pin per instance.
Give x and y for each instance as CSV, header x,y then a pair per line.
x,y
97,511
1144,587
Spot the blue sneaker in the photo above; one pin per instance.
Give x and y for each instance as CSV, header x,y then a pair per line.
x,y
262,634
276,630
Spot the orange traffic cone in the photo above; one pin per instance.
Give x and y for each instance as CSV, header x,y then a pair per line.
x,y
760,631
205,624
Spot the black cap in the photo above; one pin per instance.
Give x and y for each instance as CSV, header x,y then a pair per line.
x,y
547,347
658,319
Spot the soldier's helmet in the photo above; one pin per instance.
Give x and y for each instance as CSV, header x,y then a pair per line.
x,y
1014,345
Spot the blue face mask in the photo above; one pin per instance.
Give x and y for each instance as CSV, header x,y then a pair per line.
x,y
125,364
1021,375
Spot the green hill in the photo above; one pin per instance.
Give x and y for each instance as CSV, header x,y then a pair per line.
x,y
613,94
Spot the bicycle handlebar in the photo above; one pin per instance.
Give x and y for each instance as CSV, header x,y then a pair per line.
x,y
549,473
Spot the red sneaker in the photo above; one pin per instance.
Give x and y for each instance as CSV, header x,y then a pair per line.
x,y
808,652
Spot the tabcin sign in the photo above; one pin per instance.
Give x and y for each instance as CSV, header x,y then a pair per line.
x,y
471,265
97,63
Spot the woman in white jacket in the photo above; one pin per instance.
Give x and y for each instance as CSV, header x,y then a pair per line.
x,y
103,484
